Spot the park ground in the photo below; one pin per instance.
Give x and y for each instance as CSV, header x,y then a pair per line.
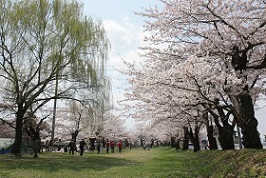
x,y
162,162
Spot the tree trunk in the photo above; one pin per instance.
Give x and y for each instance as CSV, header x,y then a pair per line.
x,y
177,144
211,138
16,147
92,145
74,135
141,142
186,139
251,136
226,131
196,144
195,138
226,138
172,142
247,120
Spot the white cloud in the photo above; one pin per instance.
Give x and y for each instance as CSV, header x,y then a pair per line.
x,y
125,37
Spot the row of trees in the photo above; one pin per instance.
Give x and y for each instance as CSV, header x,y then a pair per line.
x,y
50,51
205,66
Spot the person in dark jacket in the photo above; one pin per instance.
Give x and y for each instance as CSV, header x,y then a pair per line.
x,y
37,145
98,146
112,145
82,145
107,146
120,145
72,146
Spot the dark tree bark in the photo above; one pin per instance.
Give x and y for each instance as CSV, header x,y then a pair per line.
x,y
251,136
212,143
141,141
16,147
172,142
211,138
33,133
92,141
186,138
74,135
226,131
226,138
247,120
239,59
177,144
194,137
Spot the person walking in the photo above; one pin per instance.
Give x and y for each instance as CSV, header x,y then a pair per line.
x,y
130,145
82,145
120,145
107,146
112,145
98,146
37,145
47,145
72,146
59,145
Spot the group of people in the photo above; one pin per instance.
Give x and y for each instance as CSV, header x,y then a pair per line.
x,y
109,145
73,147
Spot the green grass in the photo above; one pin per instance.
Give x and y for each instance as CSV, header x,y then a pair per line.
x,y
138,163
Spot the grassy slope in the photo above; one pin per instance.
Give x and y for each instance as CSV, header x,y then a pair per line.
x,y
159,162
236,163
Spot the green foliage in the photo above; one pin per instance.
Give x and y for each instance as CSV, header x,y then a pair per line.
x,y
49,37
158,162
43,41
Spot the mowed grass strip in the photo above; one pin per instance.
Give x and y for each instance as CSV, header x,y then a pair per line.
x,y
162,162
158,162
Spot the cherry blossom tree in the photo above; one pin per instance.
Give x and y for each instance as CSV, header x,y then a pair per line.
x,y
230,34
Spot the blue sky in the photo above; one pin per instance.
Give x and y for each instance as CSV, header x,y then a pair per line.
x,y
124,28
117,9
125,32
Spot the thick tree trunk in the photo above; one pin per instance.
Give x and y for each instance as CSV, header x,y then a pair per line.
x,y
247,120
226,131
226,138
74,135
16,147
196,144
195,138
172,142
226,135
185,139
177,144
211,138
251,136
92,145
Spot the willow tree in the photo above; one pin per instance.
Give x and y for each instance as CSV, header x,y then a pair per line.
x,y
42,42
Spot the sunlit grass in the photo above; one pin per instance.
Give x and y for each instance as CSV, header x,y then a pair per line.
x,y
138,163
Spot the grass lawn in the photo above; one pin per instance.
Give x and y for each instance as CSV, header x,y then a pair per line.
x,y
158,162
135,163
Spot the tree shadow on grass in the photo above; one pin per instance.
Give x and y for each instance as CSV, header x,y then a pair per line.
x,y
52,162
